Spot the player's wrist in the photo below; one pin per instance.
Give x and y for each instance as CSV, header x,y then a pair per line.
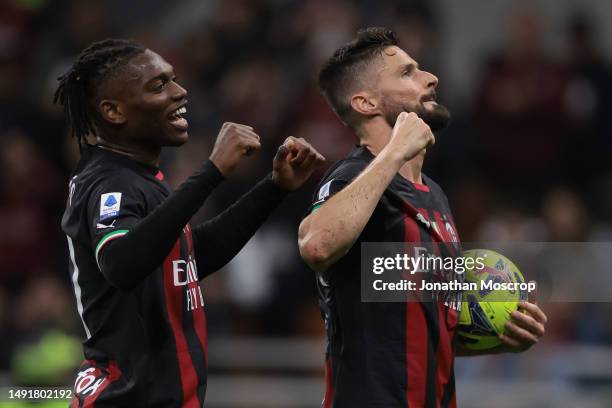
x,y
218,164
213,167
277,184
391,156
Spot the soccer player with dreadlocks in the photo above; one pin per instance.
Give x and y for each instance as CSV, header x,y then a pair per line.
x,y
135,259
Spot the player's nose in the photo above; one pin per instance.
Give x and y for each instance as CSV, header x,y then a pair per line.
x,y
432,80
179,92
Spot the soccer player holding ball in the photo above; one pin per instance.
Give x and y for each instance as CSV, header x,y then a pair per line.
x,y
386,354
135,259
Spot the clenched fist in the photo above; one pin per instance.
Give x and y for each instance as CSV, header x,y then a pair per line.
x,y
294,163
410,136
233,142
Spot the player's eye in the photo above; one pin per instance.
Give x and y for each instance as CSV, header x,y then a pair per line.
x,y
408,71
160,84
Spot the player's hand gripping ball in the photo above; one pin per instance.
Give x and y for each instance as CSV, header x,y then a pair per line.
x,y
484,312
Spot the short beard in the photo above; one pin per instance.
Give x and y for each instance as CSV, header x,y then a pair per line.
x,y
437,118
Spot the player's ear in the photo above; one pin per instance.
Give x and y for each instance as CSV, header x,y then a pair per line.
x,y
112,111
365,103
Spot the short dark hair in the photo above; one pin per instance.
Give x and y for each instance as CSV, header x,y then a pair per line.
x,y
79,85
339,74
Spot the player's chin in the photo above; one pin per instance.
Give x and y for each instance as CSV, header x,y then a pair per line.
x,y
435,107
176,132
435,115
176,138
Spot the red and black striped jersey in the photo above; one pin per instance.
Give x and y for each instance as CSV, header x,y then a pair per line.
x,y
145,346
387,354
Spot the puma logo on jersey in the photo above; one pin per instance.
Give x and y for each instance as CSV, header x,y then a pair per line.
x,y
104,226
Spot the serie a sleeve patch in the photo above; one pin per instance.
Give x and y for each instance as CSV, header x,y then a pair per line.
x,y
110,204
324,191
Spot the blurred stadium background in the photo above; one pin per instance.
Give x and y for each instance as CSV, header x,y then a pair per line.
x,y
527,158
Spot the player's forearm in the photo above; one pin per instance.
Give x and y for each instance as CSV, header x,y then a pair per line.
x,y
127,261
327,234
218,240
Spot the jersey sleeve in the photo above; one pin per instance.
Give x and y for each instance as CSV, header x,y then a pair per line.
x,y
123,208
335,181
218,240
115,206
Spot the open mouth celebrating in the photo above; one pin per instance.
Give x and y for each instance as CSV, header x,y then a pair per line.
x,y
429,98
177,120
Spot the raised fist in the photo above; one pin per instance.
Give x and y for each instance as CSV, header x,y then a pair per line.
x,y
294,163
410,136
233,142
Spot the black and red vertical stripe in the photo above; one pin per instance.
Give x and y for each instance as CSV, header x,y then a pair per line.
x,y
188,326
430,327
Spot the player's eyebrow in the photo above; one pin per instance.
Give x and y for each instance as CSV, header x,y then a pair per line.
x,y
164,75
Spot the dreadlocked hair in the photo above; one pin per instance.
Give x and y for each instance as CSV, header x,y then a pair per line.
x,y
78,86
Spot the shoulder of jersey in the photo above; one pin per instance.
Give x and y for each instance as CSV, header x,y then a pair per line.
x,y
433,186
349,167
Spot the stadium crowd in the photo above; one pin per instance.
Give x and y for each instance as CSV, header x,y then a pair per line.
x,y
526,158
